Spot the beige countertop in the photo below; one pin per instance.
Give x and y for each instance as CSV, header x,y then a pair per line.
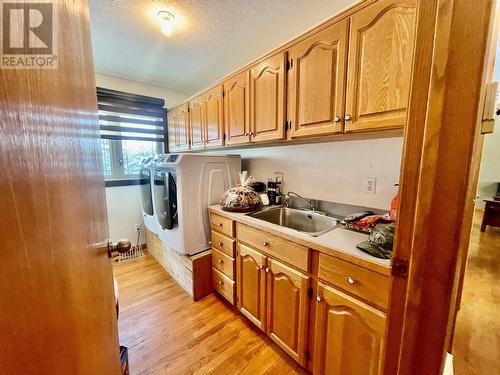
x,y
338,242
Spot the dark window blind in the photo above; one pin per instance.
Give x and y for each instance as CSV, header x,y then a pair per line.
x,y
124,116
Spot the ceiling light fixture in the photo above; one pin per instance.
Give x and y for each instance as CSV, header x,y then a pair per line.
x,y
167,21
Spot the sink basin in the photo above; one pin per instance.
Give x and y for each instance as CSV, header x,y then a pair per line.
x,y
313,224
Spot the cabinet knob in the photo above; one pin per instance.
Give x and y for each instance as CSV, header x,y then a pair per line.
x,y
318,298
350,280
221,261
267,270
221,282
261,267
251,133
220,244
347,118
247,134
265,243
219,225
336,119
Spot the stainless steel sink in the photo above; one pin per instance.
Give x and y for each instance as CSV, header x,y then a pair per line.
x,y
308,222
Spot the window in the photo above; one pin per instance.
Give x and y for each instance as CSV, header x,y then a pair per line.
x,y
132,128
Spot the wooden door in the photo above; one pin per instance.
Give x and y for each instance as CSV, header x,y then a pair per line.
x,y
237,109
316,84
182,128
349,335
196,121
57,313
214,126
172,129
267,99
251,284
287,307
381,45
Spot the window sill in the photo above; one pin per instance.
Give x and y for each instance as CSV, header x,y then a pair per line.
x,y
117,183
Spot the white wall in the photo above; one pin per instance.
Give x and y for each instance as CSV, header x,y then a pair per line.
x,y
124,202
331,171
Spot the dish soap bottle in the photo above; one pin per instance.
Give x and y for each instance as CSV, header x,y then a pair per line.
x,y
394,205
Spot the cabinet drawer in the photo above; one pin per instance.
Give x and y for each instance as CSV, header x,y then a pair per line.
x,y
223,284
286,251
223,243
222,225
371,286
223,263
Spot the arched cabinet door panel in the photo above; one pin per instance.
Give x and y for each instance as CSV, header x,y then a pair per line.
x,y
237,109
267,99
251,284
380,60
196,120
182,128
316,87
287,307
213,126
349,335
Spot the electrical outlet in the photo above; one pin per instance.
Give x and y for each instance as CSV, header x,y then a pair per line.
x,y
138,227
370,184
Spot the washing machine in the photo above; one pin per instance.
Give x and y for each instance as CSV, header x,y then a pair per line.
x,y
183,186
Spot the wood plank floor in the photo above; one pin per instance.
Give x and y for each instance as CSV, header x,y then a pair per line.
x,y
167,333
476,345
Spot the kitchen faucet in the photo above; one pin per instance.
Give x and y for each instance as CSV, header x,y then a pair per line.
x,y
311,202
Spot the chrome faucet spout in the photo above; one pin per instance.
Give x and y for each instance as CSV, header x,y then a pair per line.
x,y
311,202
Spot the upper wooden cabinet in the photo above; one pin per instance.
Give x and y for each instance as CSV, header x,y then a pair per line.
x,y
381,45
287,306
172,130
178,129
196,119
349,335
237,109
205,113
316,87
267,99
182,125
251,284
214,127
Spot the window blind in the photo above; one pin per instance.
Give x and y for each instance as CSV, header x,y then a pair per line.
x,y
124,116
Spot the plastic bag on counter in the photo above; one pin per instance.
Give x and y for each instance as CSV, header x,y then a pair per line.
x,y
242,197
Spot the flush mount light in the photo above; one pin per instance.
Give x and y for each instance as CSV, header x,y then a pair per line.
x,y
167,20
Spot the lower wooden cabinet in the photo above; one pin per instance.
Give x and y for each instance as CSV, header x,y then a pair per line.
x,y
287,307
251,285
349,335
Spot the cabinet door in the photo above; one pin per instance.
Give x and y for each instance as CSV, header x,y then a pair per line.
x,y
214,127
317,82
237,109
380,65
172,130
251,284
267,99
196,120
182,128
349,335
287,307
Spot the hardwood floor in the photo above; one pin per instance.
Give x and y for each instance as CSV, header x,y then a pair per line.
x,y
476,346
167,333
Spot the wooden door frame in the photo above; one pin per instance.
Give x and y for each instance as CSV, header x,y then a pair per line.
x,y
442,137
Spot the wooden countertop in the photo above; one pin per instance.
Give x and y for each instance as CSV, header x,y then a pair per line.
x,y
340,243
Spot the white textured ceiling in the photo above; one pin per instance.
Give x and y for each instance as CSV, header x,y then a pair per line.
x,y
212,37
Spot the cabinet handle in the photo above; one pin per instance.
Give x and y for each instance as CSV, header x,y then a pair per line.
x,y
220,282
318,298
221,261
220,244
350,280
347,118
336,119
265,243
267,270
